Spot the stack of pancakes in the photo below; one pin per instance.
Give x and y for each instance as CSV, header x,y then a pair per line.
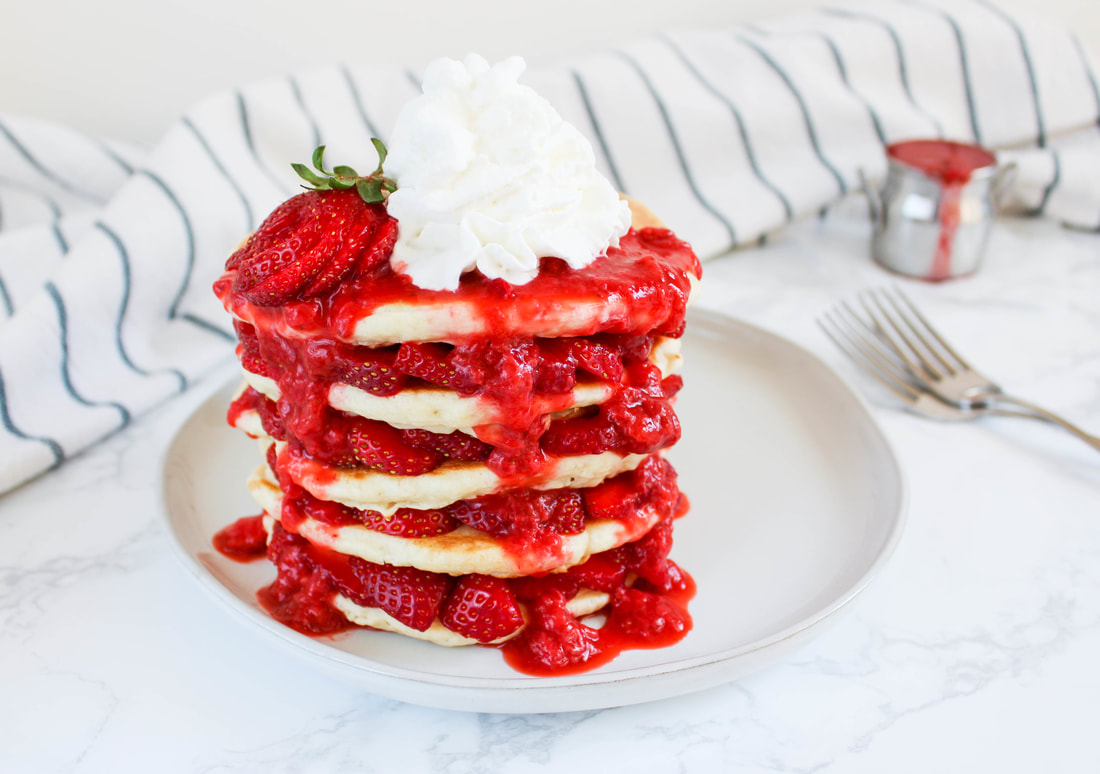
x,y
489,467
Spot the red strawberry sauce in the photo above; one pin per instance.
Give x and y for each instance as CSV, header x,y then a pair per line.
x,y
951,164
297,303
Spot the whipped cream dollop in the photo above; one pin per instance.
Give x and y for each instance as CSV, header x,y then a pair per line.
x,y
489,176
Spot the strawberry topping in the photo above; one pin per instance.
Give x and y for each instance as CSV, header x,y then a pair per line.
x,y
309,244
482,608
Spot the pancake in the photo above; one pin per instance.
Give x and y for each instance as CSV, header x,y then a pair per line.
x,y
441,410
462,551
586,602
553,309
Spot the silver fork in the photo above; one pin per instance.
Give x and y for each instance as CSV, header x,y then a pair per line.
x,y
897,345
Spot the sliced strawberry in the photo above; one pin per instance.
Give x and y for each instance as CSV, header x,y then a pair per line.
x,y
567,515
371,370
457,445
583,435
430,363
482,608
308,244
600,361
379,446
410,523
496,514
557,368
414,597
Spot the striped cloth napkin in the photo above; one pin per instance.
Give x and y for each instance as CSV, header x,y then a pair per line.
x,y
108,252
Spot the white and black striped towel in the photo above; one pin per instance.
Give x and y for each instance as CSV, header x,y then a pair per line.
x,y
107,253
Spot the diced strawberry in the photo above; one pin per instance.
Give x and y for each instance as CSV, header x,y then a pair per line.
x,y
615,498
457,445
482,608
556,639
248,351
648,556
643,616
414,597
379,446
602,572
430,363
644,423
556,366
272,461
371,370
600,361
672,385
410,523
270,419
531,588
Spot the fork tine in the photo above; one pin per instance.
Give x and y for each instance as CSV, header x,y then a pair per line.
x,y
915,329
883,313
880,332
899,388
871,345
934,333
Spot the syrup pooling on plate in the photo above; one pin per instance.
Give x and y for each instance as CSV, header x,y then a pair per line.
x,y
551,503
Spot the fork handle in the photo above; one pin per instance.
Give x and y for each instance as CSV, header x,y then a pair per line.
x,y
996,400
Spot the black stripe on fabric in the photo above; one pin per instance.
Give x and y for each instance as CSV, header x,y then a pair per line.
x,y
246,129
1089,74
208,326
750,153
53,177
357,98
810,130
296,90
61,241
1040,124
250,218
55,225
173,309
5,299
677,147
595,122
843,70
903,68
1054,181
124,259
5,419
964,63
109,153
66,378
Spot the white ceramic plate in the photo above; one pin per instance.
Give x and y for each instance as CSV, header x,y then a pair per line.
x,y
797,501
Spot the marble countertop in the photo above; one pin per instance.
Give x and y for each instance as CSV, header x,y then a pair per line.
x,y
973,651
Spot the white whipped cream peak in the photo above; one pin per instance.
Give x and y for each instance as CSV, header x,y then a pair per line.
x,y
489,176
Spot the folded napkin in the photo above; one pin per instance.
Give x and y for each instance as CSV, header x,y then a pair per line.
x,y
108,252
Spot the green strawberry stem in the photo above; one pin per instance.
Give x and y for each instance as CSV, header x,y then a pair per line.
x,y
374,188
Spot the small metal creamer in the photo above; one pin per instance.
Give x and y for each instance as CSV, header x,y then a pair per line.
x,y
930,226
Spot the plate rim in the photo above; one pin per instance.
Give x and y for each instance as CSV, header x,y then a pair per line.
x,y
502,685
